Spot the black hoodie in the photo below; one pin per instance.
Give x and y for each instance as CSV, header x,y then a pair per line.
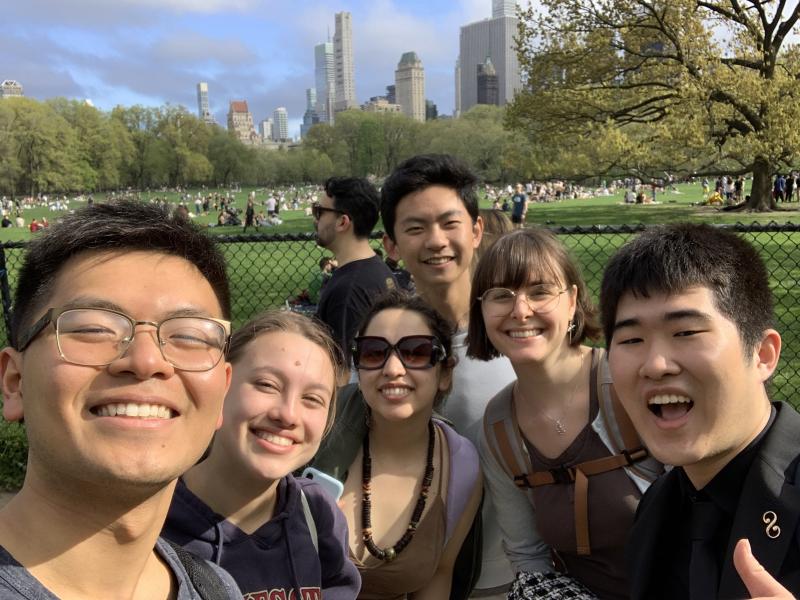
x,y
279,559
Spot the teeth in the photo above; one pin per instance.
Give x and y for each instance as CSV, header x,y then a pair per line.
x,y
669,399
525,333
438,260
274,439
395,391
129,409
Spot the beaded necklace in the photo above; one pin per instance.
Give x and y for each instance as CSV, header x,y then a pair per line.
x,y
390,553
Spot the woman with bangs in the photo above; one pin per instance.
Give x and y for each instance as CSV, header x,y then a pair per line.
x,y
412,485
280,537
563,464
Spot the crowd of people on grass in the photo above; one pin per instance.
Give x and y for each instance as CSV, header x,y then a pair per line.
x,y
492,434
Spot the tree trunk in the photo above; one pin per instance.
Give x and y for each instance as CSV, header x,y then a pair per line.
x,y
761,199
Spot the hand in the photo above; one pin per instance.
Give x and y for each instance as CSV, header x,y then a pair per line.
x,y
760,584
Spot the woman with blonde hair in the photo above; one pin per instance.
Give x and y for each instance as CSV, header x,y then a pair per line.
x,y
241,507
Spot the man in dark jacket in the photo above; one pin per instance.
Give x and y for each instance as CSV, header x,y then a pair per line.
x,y
687,313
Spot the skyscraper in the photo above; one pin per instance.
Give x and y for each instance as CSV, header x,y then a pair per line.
x,y
240,121
266,130
345,89
324,79
504,8
409,81
491,37
280,124
203,110
487,83
310,117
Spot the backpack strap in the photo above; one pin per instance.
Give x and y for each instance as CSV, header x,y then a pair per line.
x,y
463,473
503,437
507,450
312,526
204,578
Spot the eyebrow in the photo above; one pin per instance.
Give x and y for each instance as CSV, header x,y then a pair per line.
x,y
675,315
445,215
94,302
315,385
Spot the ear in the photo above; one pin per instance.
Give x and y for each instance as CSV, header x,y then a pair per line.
x,y
767,353
343,223
477,232
445,378
573,300
228,374
11,378
390,247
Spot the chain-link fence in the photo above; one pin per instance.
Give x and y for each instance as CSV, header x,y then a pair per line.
x,y
267,271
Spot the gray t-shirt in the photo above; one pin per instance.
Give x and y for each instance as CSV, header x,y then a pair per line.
x,y
16,582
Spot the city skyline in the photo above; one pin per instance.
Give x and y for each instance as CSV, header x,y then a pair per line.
x,y
154,52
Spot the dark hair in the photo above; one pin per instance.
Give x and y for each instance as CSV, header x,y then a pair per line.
x,y
358,199
670,259
510,262
324,261
291,322
440,327
420,172
122,225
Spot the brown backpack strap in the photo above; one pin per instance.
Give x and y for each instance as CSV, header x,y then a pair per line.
x,y
582,512
506,453
630,438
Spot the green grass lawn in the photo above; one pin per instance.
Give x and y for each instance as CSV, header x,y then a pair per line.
x,y
680,205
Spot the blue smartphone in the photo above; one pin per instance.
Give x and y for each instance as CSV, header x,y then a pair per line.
x,y
333,486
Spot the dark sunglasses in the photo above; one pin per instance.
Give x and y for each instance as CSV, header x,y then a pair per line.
x,y
414,351
317,210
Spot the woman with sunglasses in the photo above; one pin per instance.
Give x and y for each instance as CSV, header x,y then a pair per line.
x,y
413,488
279,537
563,464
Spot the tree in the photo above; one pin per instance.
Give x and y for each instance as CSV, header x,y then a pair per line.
x,y
46,148
644,86
10,169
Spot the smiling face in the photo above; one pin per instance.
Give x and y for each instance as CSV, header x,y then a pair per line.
x,y
435,237
523,334
277,407
394,392
169,414
681,371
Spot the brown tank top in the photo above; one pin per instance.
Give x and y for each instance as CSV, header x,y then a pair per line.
x,y
416,565
613,498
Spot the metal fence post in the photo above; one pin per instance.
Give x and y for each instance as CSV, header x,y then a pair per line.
x,y
5,293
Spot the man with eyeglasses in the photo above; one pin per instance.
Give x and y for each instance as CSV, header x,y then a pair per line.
x,y
343,219
119,331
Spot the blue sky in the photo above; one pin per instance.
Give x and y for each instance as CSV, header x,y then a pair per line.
x,y
153,52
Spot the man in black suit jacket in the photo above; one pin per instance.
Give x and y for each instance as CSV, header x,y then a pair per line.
x,y
687,313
